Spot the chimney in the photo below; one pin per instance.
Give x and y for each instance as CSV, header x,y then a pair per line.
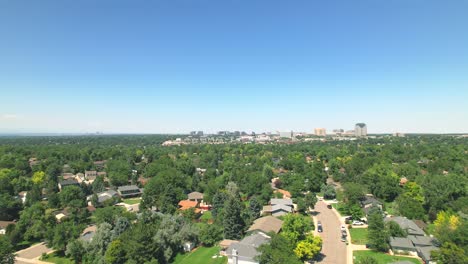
x,y
234,256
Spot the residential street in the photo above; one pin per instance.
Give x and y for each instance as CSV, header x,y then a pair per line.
x,y
333,250
31,254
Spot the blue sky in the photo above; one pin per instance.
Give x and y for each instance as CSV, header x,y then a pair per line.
x,y
176,66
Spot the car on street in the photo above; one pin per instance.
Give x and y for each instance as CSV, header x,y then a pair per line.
x,y
329,206
343,228
358,223
319,227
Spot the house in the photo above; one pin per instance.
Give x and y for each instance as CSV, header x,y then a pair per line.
x,y
400,245
129,191
423,241
187,204
245,251
369,201
266,224
425,254
61,215
90,174
67,176
406,224
420,224
278,207
103,196
224,245
195,196
4,225
88,233
99,164
66,183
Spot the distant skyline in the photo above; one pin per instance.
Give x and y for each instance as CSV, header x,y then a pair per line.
x,y
176,66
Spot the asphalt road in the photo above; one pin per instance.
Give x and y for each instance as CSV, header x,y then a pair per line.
x,y
333,249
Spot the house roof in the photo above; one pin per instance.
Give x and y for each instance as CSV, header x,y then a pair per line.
x,y
195,196
407,225
267,224
281,207
274,201
425,252
4,224
247,247
422,240
69,182
401,242
368,199
266,208
128,188
227,242
186,204
420,224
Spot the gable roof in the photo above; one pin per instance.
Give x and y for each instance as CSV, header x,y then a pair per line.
x,y
401,242
369,199
247,247
4,224
195,196
288,202
267,224
69,182
407,225
422,241
281,207
425,252
186,204
128,188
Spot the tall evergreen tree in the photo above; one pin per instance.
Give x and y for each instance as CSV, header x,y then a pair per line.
x,y
233,222
378,236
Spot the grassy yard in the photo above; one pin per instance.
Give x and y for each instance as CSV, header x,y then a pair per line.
x,y
202,255
341,208
381,257
358,236
54,258
132,201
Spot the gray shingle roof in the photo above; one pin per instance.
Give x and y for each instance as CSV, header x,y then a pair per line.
x,y
128,188
195,196
425,252
407,225
401,243
422,241
247,247
288,202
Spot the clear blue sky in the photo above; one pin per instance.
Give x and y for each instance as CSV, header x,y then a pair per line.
x,y
175,66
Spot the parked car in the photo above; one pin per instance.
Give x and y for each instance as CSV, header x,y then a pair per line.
x,y
358,223
329,206
343,228
319,227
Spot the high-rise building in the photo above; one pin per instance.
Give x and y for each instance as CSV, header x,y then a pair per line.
x,y
320,132
360,130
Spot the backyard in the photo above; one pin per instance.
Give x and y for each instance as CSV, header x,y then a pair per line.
x,y
381,258
202,255
54,258
358,235
132,201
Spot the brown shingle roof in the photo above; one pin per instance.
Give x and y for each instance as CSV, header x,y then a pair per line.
x,y
267,224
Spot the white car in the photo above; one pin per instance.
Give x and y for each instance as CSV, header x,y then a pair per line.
x,y
343,228
358,223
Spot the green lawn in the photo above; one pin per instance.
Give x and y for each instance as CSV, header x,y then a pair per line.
x,y
340,207
54,258
132,200
358,236
381,257
202,255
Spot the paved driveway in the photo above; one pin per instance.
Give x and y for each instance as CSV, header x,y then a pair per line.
x,y
333,250
31,254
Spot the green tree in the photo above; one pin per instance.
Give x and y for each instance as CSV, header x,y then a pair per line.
x,y
308,248
75,250
6,251
450,253
378,237
295,227
71,196
395,230
353,193
310,200
210,234
254,207
233,222
115,253
278,251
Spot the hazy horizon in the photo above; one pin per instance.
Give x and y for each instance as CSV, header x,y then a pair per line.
x,y
178,66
